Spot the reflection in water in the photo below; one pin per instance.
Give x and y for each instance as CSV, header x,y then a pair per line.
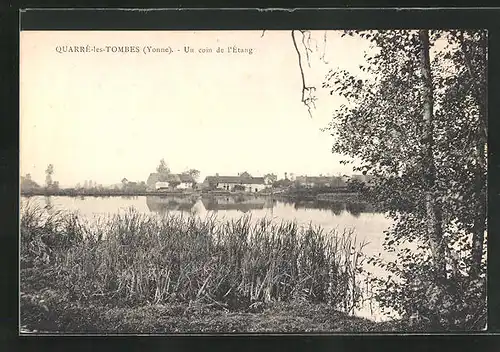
x,y
357,208
48,203
336,207
243,204
162,205
49,207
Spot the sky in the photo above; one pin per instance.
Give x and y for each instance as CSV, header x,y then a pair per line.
x,y
103,116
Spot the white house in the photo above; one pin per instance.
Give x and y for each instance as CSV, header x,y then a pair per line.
x,y
152,180
161,185
172,181
186,181
243,182
321,181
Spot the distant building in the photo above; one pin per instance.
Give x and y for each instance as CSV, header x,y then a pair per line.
x,y
243,182
173,180
152,180
320,181
156,181
186,181
161,185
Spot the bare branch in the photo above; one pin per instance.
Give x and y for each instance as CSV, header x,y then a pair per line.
x,y
322,58
307,48
309,100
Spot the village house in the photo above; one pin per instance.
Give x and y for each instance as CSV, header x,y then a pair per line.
x,y
157,182
242,182
186,181
320,181
160,185
152,180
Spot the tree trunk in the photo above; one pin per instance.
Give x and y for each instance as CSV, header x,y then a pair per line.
x,y
480,184
432,206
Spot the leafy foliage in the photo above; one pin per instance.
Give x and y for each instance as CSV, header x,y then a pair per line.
x,y
382,125
195,174
162,168
271,177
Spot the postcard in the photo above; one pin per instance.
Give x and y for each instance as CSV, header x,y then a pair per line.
x,y
253,181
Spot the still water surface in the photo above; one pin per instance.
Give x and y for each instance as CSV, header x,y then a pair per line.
x,y
368,225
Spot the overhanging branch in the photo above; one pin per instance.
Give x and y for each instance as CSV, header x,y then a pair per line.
x,y
307,100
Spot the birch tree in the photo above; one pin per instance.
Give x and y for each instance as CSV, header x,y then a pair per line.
x,y
417,121
432,206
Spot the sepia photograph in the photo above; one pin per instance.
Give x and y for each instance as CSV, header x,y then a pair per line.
x,y
253,181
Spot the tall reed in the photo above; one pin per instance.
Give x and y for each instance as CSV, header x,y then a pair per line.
x,y
132,258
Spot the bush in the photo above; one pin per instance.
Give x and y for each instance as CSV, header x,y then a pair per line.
x,y
413,290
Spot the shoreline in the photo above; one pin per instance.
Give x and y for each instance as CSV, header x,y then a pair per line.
x,y
322,197
63,193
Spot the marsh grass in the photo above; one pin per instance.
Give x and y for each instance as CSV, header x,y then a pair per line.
x,y
133,259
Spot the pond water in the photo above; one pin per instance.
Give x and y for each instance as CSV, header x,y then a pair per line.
x,y
368,225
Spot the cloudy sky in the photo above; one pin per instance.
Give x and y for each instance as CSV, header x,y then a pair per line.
x,y
104,116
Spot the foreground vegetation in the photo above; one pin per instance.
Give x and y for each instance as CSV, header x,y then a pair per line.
x,y
50,312
76,274
134,272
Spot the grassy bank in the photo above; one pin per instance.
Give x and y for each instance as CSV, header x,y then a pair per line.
x,y
49,311
133,264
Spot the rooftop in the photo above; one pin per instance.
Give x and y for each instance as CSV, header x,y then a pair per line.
x,y
234,179
156,177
